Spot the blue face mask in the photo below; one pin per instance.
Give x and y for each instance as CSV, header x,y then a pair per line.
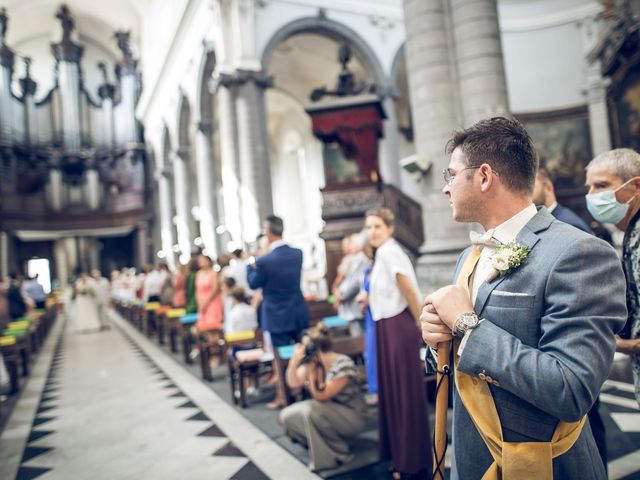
x,y
605,208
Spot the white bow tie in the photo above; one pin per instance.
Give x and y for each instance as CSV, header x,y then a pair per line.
x,y
484,239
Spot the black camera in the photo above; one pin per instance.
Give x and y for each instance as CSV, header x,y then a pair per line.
x,y
310,351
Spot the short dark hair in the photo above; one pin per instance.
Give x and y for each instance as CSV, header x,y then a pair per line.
x,y
544,174
238,294
504,144
275,224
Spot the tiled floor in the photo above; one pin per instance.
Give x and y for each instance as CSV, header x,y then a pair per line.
x,y
107,410
114,405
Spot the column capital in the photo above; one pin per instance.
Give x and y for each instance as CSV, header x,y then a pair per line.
x,y
205,126
162,173
183,152
7,57
240,77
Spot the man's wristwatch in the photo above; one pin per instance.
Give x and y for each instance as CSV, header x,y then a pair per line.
x,y
466,321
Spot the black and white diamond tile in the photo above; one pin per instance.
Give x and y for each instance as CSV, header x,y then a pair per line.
x,y
621,416
111,409
45,413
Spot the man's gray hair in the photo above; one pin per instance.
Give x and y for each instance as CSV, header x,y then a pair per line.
x,y
622,162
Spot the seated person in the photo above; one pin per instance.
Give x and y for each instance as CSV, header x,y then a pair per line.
x,y
241,316
337,409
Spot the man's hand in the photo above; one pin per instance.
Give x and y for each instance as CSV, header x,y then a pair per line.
x,y
450,302
629,347
434,330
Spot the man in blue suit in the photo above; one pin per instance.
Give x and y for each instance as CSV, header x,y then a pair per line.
x,y
544,194
283,311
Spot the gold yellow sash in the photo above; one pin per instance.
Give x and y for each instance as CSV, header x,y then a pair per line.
x,y
511,460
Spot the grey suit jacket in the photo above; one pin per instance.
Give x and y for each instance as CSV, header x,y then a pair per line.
x,y
545,347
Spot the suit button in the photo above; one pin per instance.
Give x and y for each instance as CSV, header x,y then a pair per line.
x,y
488,379
496,383
482,376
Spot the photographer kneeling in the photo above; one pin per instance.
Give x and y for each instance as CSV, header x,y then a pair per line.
x,y
337,410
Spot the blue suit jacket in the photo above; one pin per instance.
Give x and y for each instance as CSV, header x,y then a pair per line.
x,y
568,216
278,275
546,345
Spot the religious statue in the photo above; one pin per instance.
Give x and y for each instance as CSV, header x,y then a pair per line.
x,y
3,25
124,44
64,15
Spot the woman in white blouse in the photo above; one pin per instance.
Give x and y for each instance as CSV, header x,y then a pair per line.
x,y
394,300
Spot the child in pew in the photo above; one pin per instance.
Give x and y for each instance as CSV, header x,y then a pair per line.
x,y
241,316
227,285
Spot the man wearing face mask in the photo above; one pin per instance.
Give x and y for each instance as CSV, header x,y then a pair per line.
x,y
613,179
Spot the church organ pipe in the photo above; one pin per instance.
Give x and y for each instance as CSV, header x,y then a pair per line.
x,y
6,70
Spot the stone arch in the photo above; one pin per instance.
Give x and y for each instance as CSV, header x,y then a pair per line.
x,y
331,29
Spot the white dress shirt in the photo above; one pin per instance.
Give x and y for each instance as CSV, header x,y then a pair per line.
x,y
385,298
241,317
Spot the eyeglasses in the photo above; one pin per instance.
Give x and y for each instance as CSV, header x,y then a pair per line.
x,y
449,175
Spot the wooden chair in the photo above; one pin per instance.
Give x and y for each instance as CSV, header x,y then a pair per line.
x,y
171,325
241,369
351,346
186,322
210,344
161,313
13,359
149,322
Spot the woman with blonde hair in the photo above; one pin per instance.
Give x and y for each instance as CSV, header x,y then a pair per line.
x,y
394,300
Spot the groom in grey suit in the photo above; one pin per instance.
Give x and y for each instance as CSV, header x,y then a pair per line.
x,y
540,335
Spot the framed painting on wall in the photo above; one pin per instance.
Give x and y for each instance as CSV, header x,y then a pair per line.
x,y
563,141
624,108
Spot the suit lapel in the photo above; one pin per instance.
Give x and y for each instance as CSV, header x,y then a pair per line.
x,y
528,236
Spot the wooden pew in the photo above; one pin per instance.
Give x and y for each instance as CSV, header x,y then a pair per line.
x,y
252,366
186,322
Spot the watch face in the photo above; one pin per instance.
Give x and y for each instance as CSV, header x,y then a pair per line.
x,y
470,320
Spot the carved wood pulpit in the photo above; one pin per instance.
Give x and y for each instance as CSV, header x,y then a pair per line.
x,y
351,125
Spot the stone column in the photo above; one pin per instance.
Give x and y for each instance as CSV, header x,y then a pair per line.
x,y
54,188
389,148
166,222
595,88
254,155
92,187
483,87
141,245
434,105
62,260
208,186
598,111
7,59
226,93
181,189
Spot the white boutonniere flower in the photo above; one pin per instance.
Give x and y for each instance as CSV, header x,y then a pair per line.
x,y
507,258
